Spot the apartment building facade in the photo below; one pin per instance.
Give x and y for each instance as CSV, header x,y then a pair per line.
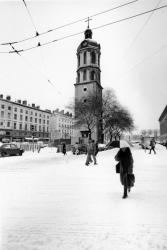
x,y
62,125
20,120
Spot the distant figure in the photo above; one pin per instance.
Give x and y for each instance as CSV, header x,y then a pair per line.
x,y
152,146
76,149
124,156
64,149
96,148
39,148
90,152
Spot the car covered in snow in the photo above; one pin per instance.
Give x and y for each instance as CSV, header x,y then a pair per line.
x,y
8,149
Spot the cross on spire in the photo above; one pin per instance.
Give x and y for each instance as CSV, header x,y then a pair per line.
x,y
89,19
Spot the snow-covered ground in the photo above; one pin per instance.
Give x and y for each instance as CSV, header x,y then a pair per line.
x,y
53,202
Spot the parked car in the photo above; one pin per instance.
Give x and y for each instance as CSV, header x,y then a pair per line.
x,y
8,149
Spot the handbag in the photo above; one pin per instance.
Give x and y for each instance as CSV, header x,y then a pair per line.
x,y
117,168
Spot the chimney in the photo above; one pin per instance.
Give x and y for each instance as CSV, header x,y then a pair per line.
x,y
33,105
38,107
25,102
19,101
1,96
8,97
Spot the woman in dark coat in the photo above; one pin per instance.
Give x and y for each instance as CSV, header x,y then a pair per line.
x,y
124,156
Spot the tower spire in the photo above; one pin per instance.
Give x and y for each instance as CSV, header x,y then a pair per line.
x,y
88,20
88,31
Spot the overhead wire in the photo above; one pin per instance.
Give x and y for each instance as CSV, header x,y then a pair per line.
x,y
32,21
65,25
163,47
95,28
140,31
46,77
34,68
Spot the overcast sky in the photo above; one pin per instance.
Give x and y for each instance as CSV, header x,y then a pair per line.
x,y
133,53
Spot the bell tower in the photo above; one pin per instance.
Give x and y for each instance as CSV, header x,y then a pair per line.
x,y
88,69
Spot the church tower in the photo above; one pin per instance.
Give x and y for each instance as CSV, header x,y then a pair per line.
x,y
88,72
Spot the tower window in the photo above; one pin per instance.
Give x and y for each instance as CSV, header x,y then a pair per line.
x,y
85,89
84,75
84,100
93,57
92,75
78,77
79,60
85,57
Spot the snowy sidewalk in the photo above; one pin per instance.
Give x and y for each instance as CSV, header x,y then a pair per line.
x,y
55,202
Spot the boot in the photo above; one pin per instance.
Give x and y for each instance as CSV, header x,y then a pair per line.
x,y
125,195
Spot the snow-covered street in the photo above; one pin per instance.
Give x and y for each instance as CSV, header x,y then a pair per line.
x,y
53,202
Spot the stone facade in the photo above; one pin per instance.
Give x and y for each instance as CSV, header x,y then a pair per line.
x,y
62,125
88,77
163,125
18,120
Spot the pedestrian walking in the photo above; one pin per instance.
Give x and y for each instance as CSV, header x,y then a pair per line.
x,y
96,148
152,146
125,166
64,151
91,153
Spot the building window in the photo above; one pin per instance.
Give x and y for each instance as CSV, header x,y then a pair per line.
x,y
2,114
21,111
20,126
15,116
40,128
2,106
40,121
14,125
85,57
35,120
9,107
84,75
15,109
9,115
26,118
21,117
25,126
30,119
93,57
8,124
1,123
26,111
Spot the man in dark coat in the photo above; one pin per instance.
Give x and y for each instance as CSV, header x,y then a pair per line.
x,y
152,146
124,156
64,149
91,149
